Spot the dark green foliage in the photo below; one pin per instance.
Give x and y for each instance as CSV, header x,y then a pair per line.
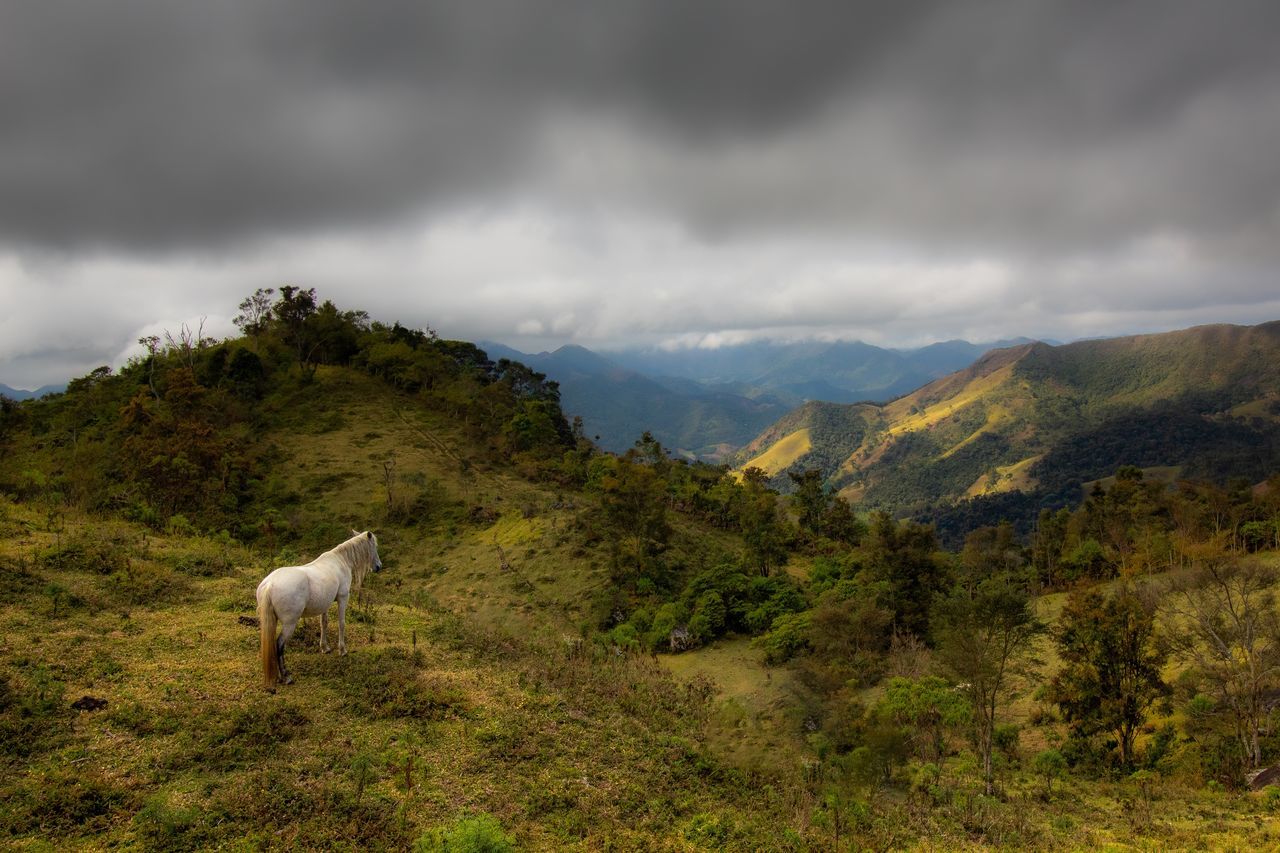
x,y
245,375
905,556
632,500
810,497
765,532
1111,666
850,626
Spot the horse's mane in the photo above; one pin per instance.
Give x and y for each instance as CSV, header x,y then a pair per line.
x,y
358,554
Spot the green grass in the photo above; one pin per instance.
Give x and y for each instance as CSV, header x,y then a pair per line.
x,y
470,702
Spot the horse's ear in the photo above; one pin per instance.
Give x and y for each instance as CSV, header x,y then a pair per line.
x,y
355,532
368,534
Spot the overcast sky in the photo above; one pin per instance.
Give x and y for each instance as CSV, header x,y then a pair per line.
x,y
617,172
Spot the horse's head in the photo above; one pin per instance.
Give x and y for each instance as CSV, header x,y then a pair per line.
x,y
372,541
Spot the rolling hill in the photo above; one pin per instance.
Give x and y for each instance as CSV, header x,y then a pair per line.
x,y
1038,420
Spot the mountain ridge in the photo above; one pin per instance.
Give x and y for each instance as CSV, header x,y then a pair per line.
x,y
705,403
1040,417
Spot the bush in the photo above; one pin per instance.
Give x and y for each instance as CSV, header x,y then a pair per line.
x,y
625,636
788,636
1049,765
479,834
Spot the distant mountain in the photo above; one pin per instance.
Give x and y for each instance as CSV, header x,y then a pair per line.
x,y
20,394
1039,420
617,404
839,372
709,402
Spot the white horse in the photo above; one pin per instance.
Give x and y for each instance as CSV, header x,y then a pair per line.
x,y
291,592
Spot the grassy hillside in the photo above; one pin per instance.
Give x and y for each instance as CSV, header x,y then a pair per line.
x,y
430,719
567,649
468,660
1043,419
436,718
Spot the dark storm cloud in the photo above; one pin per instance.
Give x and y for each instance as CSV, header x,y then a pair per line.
x,y
147,124
150,123
595,171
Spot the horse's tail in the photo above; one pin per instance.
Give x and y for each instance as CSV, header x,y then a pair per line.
x,y
267,633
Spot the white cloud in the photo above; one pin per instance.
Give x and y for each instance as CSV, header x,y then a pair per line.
x,y
536,277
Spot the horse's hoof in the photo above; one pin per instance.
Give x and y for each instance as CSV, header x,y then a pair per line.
x,y
288,679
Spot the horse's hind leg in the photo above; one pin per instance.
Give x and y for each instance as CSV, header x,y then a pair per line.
x,y
286,631
324,632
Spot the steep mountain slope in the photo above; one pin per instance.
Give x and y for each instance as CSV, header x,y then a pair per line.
x,y
1044,418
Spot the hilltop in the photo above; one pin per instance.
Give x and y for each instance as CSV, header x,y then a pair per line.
x,y
1040,419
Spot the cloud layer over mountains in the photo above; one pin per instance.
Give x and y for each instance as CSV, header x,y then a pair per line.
x,y
696,172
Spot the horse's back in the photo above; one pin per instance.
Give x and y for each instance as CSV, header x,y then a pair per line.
x,y
308,590
289,589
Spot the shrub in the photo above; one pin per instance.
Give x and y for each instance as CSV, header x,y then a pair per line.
x,y
788,636
479,834
1049,765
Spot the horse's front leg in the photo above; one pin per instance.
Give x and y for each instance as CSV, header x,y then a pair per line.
x,y
342,624
325,648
